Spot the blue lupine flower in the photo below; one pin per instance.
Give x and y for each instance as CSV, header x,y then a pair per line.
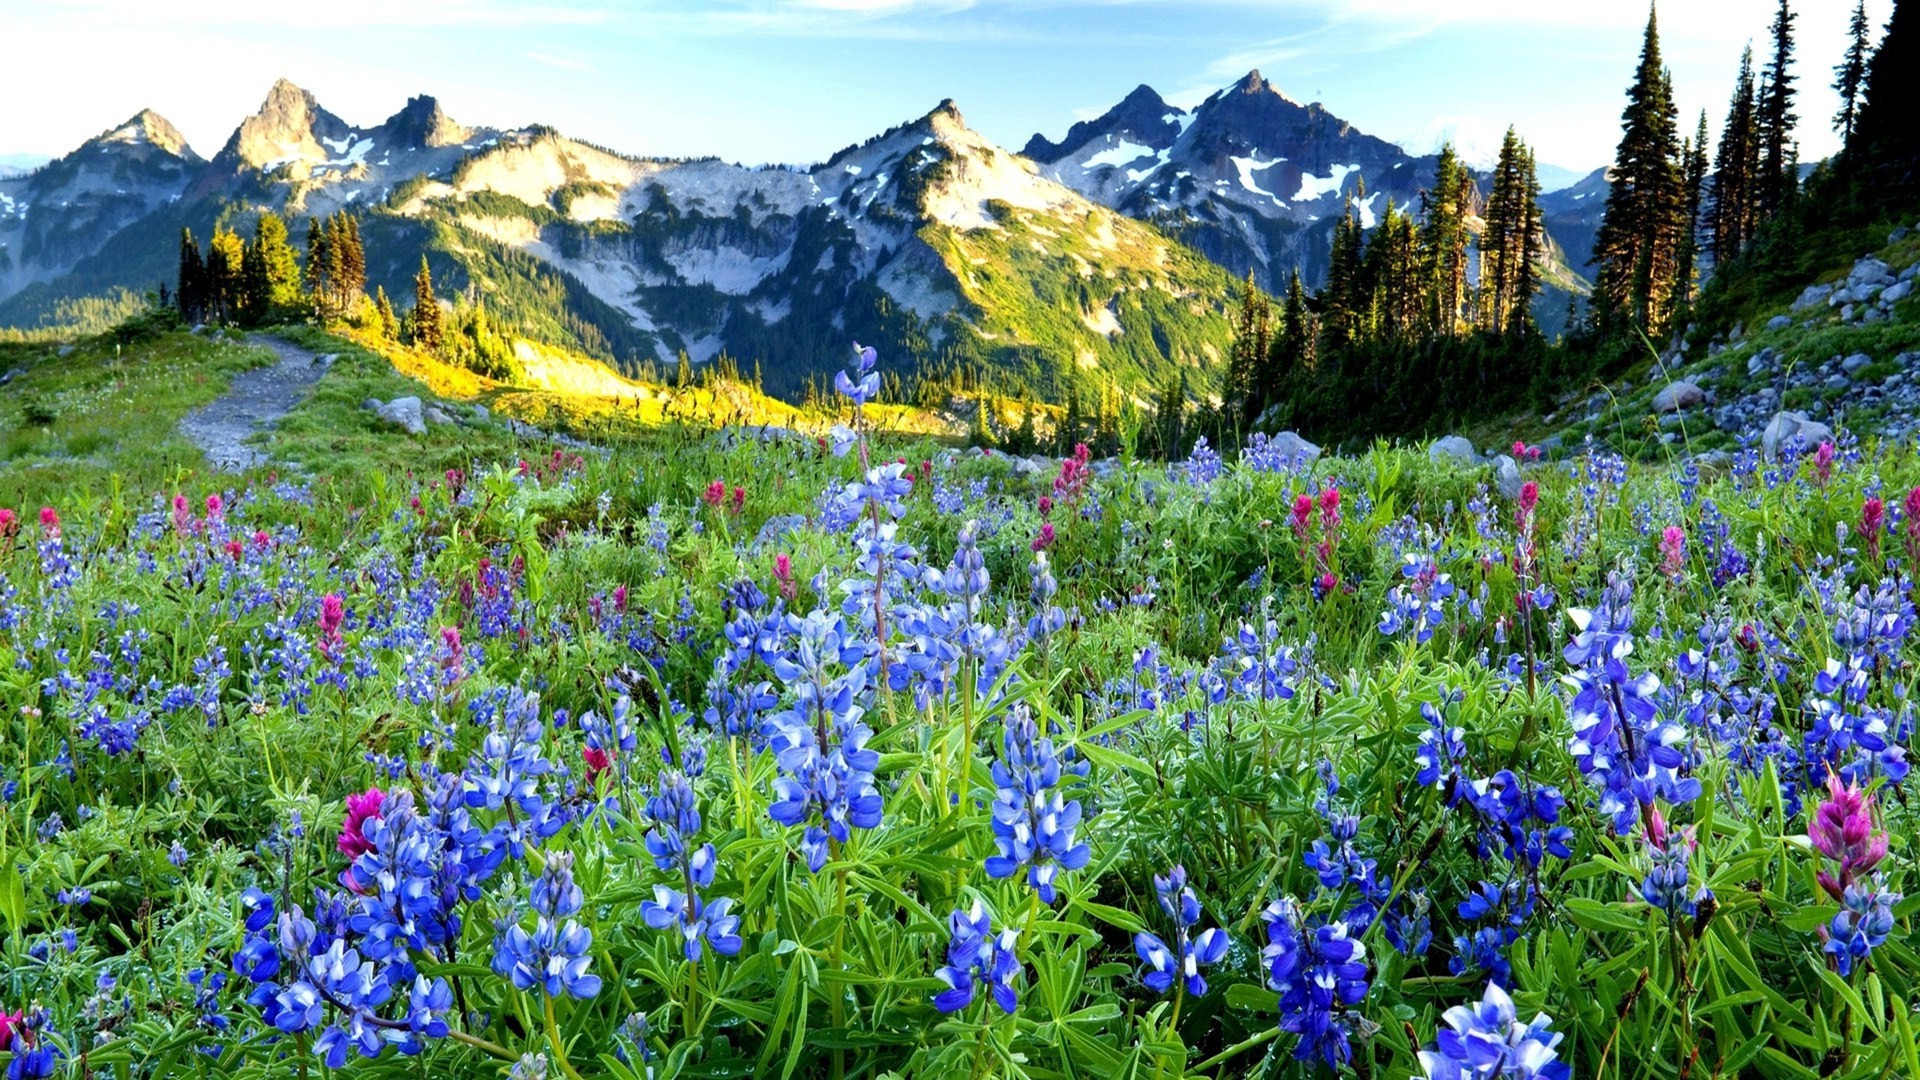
x,y
1486,1041
1442,746
676,816
976,954
556,955
1862,925
819,742
1033,824
1319,971
1189,952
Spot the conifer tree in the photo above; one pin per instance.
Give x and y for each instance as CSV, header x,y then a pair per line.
x,y
1342,295
424,323
318,282
1735,165
1250,338
1531,246
1776,119
225,255
1694,177
389,325
1884,152
1850,75
1505,244
353,261
256,292
1443,242
190,290
1639,237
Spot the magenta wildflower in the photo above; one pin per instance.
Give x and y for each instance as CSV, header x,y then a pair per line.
x,y
1842,830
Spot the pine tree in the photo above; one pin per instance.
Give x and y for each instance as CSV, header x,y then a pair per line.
x,y
191,288
1504,244
353,263
278,271
1776,119
1532,249
1342,296
1393,261
1850,75
1734,169
1639,236
318,282
1884,152
1250,338
256,292
1443,242
389,325
225,255
424,323
1694,177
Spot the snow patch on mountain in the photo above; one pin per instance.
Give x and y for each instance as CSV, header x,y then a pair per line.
x,y
1245,166
1319,187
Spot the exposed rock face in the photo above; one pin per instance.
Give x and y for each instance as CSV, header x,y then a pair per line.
x,y
421,125
288,128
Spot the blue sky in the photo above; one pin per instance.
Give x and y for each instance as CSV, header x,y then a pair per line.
x,y
795,80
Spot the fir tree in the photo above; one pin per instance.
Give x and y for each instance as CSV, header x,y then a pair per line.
x,y
1505,245
1884,152
1694,176
1639,237
1341,298
1250,339
388,323
256,292
353,262
424,323
1776,119
191,289
1850,75
226,254
1443,242
1735,165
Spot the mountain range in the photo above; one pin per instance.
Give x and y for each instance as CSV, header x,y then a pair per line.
x,y
1105,259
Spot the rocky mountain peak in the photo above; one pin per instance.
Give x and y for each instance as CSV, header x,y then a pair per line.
x,y
147,128
288,127
1143,116
421,124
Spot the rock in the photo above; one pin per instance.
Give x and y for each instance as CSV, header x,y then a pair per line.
x,y
1812,296
1031,466
1898,234
1896,293
1678,395
404,412
1454,447
326,359
1713,458
1852,364
1550,444
8,377
440,417
1870,271
1759,363
1837,381
372,404
481,414
1294,450
1846,313
64,352
1786,427
1873,315
1779,322
1506,476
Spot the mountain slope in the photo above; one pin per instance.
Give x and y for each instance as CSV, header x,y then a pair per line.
x,y
953,255
1252,179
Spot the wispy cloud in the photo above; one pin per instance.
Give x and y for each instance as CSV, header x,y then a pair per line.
x,y
564,63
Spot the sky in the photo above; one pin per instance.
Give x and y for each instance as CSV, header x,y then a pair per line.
x,y
795,80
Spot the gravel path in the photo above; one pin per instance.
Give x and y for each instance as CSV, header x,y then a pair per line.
x,y
253,401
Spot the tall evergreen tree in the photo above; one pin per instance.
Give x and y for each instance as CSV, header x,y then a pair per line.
x,y
318,259
425,323
1850,75
1735,165
387,323
1639,237
1884,152
1532,249
190,291
226,253
1250,338
1776,119
1693,154
1342,299
1504,241
1443,241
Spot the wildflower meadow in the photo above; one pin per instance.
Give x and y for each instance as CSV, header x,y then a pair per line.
x,y
855,756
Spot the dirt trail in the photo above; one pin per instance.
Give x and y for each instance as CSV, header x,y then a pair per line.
x,y
253,401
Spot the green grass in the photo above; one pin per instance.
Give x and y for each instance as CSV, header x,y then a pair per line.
x,y
111,411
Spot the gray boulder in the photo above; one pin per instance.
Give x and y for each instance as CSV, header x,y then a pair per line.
x,y
1786,427
1506,476
1293,449
1896,293
439,417
404,412
1455,448
1678,395
1852,364
1812,296
1870,271
1779,322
